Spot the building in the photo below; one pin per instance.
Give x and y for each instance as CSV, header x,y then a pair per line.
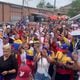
x,y
12,12
64,10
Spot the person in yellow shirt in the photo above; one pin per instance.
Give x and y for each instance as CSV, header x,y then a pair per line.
x,y
64,64
63,54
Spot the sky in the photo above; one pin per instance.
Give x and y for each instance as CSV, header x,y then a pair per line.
x,y
33,3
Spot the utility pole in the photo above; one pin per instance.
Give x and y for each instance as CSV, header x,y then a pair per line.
x,y
54,5
23,7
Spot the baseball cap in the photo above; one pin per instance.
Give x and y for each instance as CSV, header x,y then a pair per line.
x,y
23,73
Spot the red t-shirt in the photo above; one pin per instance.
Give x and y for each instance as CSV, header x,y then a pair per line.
x,y
24,73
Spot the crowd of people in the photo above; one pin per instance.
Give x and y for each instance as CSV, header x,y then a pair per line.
x,y
45,51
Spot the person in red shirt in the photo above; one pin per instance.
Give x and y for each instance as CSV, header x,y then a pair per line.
x,y
24,73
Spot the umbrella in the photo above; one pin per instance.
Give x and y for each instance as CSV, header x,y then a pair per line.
x,y
75,33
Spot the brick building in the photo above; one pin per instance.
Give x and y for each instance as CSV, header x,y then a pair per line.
x,y
12,12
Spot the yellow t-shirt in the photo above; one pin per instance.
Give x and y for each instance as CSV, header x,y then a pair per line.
x,y
63,57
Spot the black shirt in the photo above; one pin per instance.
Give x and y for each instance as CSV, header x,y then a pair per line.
x,y
9,64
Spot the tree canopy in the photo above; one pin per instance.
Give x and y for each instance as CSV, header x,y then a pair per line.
x,y
49,5
43,4
75,8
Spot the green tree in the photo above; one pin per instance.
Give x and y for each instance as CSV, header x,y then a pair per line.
x,y
75,8
49,5
41,4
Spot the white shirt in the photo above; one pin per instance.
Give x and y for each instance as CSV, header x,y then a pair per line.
x,y
42,39
23,57
1,47
43,66
31,48
52,34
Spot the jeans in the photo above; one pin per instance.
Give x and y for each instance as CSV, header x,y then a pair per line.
x,y
39,76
